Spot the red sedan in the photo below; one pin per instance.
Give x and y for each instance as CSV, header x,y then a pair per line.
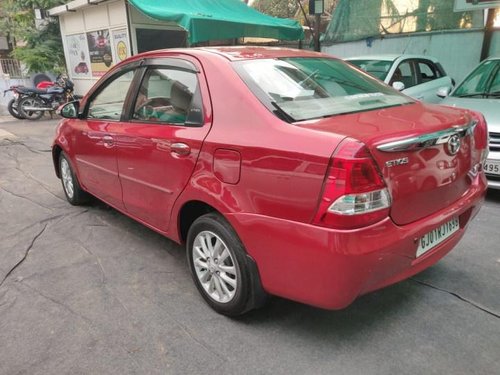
x,y
284,172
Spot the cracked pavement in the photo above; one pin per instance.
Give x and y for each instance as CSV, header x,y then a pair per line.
x,y
87,290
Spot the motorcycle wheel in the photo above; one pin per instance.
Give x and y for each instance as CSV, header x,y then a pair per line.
x,y
12,108
30,102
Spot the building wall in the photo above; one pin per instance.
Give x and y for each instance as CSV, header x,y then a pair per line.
x,y
110,17
140,21
458,51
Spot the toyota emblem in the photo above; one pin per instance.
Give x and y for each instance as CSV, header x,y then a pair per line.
x,y
454,144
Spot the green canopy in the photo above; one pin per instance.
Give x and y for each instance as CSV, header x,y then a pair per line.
x,y
219,19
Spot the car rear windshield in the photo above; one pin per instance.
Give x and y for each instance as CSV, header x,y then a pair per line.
x,y
377,68
297,89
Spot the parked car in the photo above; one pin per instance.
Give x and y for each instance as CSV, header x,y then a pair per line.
x,y
284,172
480,91
414,75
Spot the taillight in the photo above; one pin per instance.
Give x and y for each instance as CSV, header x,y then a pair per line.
x,y
354,193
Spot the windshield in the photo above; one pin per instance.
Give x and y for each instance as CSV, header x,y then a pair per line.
x,y
484,81
377,68
298,89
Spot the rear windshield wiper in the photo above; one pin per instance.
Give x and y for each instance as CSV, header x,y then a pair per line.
x,y
282,114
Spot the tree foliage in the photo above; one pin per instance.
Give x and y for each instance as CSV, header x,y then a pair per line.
x,y
40,49
277,8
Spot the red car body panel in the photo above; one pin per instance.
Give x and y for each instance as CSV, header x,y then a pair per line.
x,y
266,177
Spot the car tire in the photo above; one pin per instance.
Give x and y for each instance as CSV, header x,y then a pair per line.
x,y
12,108
71,187
222,271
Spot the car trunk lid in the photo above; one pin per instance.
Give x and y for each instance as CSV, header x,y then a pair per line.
x,y
423,152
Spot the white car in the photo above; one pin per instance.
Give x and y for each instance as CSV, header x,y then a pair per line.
x,y
417,76
480,91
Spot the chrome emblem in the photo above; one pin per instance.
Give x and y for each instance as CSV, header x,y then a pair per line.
x,y
453,144
396,162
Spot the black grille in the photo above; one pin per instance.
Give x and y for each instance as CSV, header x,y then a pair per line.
x,y
494,141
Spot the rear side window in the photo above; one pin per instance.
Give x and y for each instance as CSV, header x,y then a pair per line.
x,y
427,71
165,95
297,89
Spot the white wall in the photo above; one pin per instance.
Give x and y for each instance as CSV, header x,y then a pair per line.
x,y
110,15
458,51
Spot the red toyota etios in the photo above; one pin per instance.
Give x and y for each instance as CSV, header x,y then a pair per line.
x,y
284,172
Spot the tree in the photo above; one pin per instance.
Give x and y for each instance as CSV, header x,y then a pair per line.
x,y
277,8
39,48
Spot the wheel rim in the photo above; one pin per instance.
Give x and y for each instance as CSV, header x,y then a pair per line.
x,y
31,103
214,267
67,178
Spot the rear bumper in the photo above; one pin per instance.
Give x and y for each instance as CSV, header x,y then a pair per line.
x,y
330,268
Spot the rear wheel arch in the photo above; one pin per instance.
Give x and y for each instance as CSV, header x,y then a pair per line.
x,y
189,212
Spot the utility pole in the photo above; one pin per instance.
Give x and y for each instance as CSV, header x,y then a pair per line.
x,y
316,7
488,34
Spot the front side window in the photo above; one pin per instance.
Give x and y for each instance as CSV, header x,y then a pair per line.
x,y
404,73
481,82
298,89
108,103
165,95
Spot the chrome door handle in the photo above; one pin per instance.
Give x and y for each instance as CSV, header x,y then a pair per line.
x,y
180,148
108,141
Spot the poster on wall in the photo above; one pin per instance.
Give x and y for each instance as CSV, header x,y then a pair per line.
x,y
120,44
78,56
100,52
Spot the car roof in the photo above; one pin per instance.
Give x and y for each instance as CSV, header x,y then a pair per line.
x,y
391,57
235,53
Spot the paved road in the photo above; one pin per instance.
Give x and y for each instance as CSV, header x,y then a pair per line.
x,y
89,291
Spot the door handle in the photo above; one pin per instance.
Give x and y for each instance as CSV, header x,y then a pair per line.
x,y
180,149
108,141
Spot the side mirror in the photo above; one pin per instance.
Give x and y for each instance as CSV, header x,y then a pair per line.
x,y
69,110
398,85
443,92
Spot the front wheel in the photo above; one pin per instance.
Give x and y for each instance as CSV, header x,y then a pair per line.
x,y
221,269
12,108
27,108
72,189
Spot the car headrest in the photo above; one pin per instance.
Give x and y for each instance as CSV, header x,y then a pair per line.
x,y
180,96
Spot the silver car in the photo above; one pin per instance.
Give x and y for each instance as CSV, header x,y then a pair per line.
x,y
417,76
480,91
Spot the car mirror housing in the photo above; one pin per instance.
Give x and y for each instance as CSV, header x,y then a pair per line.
x,y
69,110
398,85
443,92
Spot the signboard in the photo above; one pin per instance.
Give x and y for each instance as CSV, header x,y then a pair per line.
x,y
78,56
466,5
101,57
120,45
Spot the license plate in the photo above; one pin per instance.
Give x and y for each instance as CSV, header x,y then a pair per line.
x,y
492,167
436,236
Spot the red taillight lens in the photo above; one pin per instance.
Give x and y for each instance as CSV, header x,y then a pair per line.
x,y
354,193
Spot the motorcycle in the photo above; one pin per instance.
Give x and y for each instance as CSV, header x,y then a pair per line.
x,y
19,92
34,105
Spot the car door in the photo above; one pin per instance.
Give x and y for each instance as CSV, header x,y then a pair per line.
x,y
430,78
158,145
94,150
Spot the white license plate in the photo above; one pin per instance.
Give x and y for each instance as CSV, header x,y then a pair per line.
x,y
436,236
492,167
